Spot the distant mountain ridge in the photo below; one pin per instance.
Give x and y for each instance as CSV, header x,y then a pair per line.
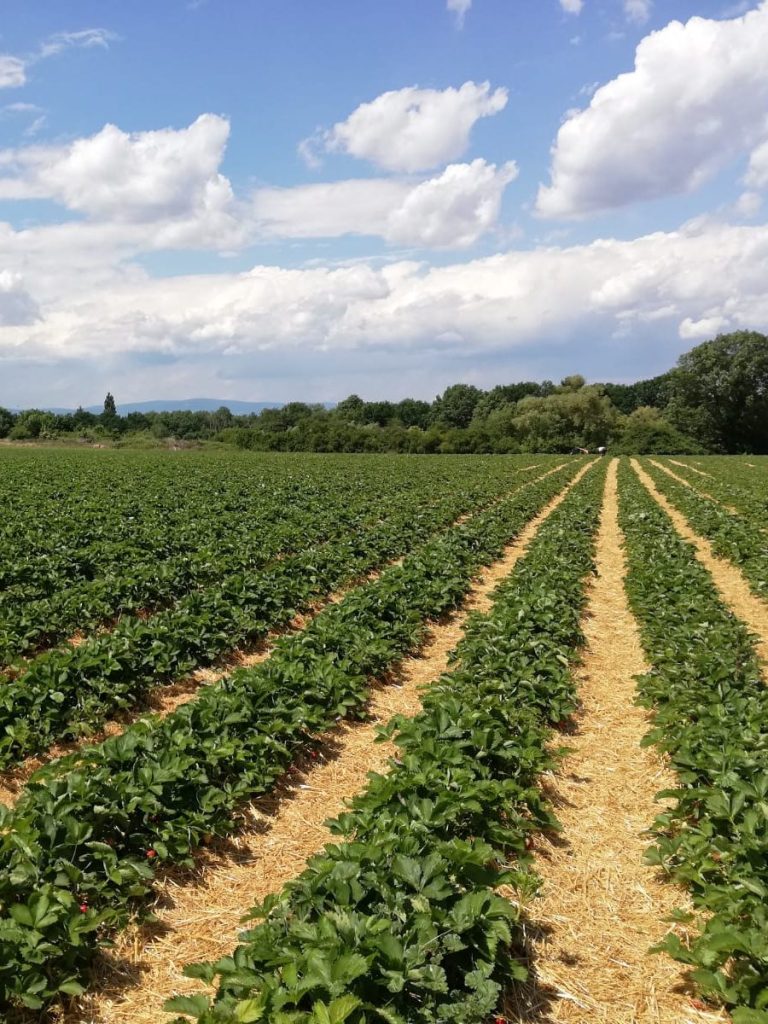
x,y
191,405
176,405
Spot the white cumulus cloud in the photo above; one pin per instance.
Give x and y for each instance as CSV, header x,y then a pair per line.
x,y
452,210
17,307
126,177
572,6
412,129
696,100
702,279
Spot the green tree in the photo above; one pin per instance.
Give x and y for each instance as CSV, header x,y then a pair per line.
x,y
6,422
110,409
719,393
646,432
583,418
350,409
456,406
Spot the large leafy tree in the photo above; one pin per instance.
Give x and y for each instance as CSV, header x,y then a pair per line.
x,y
6,422
456,406
719,392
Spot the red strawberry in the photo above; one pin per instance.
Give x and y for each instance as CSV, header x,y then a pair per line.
x,y
151,853
84,908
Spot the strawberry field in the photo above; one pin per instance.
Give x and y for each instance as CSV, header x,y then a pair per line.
x,y
284,592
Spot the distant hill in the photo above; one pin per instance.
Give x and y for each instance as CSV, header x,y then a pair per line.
x,y
176,405
191,405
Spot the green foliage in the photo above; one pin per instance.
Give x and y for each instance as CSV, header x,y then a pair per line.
x,y
646,432
736,537
719,393
220,578
6,422
81,832
400,918
711,717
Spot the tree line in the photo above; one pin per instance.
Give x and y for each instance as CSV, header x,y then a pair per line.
x,y
714,400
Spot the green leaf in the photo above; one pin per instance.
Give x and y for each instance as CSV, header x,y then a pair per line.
x,y
743,1015
21,913
194,1006
72,988
249,1010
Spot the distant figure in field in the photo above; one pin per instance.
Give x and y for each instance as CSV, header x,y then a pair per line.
x,y
576,451
601,450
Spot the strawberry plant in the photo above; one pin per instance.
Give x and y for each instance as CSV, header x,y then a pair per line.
x,y
737,538
401,919
67,692
711,717
81,830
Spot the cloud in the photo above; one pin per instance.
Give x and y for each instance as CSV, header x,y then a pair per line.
x,y
638,11
451,210
454,209
163,189
757,172
698,280
12,72
21,108
748,204
700,330
695,101
86,38
126,177
572,6
460,9
13,69
17,307
411,129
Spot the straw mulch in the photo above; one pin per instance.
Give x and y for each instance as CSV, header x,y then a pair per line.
x,y
687,483
731,584
684,465
200,913
601,907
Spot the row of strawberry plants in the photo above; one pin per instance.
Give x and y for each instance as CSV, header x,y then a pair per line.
x,y
74,516
734,537
401,921
751,502
144,583
79,851
65,692
711,717
745,479
71,517
251,527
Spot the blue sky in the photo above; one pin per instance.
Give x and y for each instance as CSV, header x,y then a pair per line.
x,y
285,199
